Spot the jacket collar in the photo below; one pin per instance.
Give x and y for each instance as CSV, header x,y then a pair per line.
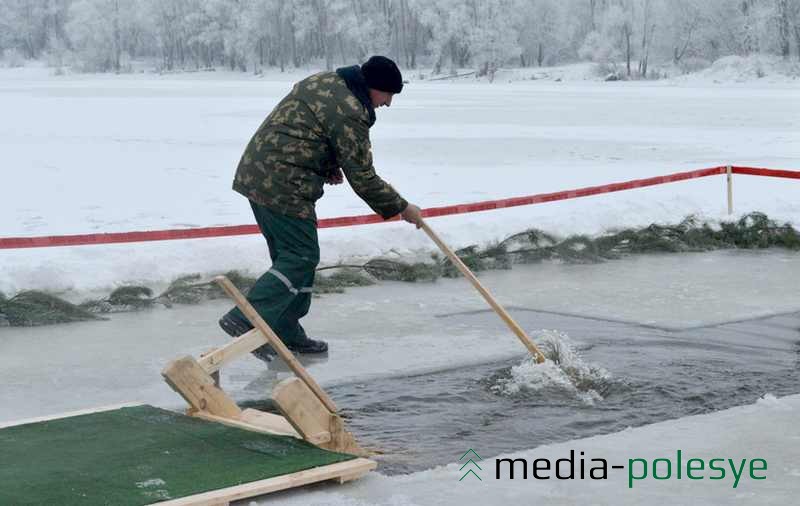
x,y
357,85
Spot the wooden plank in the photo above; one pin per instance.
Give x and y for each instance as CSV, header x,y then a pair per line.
x,y
280,348
277,426
312,420
268,421
303,410
256,488
350,477
242,345
194,384
69,414
342,440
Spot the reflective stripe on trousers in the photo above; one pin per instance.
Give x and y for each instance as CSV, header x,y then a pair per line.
x,y
278,274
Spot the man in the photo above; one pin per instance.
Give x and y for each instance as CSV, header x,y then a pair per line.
x,y
317,134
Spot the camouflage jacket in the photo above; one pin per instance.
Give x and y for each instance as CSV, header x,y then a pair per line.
x,y
318,127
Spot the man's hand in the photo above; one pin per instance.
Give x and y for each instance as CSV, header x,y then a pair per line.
x,y
412,214
335,177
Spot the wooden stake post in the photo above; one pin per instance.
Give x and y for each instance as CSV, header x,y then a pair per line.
x,y
309,413
529,344
729,173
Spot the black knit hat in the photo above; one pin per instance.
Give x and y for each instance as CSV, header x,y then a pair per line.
x,y
382,74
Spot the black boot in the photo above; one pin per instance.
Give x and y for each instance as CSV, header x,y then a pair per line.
x,y
308,345
301,343
235,327
265,353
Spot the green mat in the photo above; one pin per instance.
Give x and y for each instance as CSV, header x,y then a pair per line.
x,y
140,455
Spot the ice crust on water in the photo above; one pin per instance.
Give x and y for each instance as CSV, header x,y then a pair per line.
x,y
563,370
769,401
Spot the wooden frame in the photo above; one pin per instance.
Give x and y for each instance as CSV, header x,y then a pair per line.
x,y
242,345
308,412
339,472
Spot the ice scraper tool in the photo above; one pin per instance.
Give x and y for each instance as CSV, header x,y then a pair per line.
x,y
527,341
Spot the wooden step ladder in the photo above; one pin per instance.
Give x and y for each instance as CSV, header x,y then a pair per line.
x,y
308,412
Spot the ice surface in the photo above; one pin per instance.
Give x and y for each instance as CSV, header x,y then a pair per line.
x,y
396,328
673,291
767,429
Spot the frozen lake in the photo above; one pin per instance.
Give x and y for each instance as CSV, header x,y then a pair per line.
x,y
686,302
419,368
120,153
677,334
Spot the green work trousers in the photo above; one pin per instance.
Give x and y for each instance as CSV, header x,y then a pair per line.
x,y
282,295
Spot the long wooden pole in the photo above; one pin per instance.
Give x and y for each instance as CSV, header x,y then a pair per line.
x,y
529,344
274,341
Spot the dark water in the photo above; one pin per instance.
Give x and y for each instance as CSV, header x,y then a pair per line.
x,y
426,420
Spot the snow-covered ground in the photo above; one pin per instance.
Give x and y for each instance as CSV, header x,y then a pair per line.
x,y
84,154
761,68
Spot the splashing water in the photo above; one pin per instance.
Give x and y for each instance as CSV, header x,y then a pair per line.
x,y
563,372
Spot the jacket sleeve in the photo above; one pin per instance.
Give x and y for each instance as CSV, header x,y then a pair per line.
x,y
349,135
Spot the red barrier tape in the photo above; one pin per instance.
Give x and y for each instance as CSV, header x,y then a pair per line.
x,y
571,194
121,237
347,221
756,171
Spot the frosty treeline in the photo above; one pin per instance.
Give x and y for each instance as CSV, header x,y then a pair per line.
x,y
249,35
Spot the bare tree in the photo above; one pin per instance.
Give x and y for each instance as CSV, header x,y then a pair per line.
x,y
784,37
750,39
684,27
537,31
27,26
322,17
627,32
483,34
794,14
648,31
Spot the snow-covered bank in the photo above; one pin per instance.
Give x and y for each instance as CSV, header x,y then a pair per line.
x,y
116,153
762,68
765,430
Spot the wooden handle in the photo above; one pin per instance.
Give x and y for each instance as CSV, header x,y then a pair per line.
x,y
529,344
280,348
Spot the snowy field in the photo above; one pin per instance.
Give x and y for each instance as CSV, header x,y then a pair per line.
x,y
86,154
